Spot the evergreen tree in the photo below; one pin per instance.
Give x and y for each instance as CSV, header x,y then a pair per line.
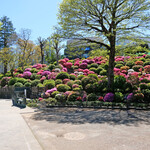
x,y
7,37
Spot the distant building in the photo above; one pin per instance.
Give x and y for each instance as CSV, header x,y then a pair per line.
x,y
79,48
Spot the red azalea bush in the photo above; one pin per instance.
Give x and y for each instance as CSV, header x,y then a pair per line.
x,y
83,66
68,65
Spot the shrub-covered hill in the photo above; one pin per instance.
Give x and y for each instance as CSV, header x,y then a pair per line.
x,y
86,79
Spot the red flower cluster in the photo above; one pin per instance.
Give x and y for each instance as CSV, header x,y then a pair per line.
x,y
79,98
100,98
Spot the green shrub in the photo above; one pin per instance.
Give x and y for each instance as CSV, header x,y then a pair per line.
x,y
33,70
51,67
94,65
138,97
19,70
49,84
142,59
147,56
119,62
32,105
101,86
119,96
63,87
143,86
130,64
54,93
103,72
80,77
75,67
40,85
8,74
72,77
59,66
12,81
87,80
61,97
22,80
4,81
72,96
70,83
127,87
105,66
77,82
18,84
119,81
93,76
137,67
51,101
78,89
35,82
99,69
89,88
27,84
58,81
38,77
146,93
93,69
33,76
148,86
147,62
88,66
119,65
92,97
62,75
145,80
135,87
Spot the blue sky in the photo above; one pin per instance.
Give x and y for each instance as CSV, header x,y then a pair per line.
x,y
38,15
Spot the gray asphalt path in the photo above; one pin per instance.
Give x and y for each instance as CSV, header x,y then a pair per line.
x,y
15,134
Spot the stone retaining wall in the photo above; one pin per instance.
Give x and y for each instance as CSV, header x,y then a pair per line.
x,y
33,92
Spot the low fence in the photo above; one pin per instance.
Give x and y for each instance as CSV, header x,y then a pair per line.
x,y
6,92
34,92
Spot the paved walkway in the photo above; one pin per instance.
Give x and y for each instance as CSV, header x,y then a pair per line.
x,y
87,129
14,132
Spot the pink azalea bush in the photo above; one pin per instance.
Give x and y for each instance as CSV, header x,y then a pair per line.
x,y
27,74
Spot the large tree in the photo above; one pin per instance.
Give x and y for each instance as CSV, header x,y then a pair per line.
x,y
42,44
111,20
7,38
25,48
56,40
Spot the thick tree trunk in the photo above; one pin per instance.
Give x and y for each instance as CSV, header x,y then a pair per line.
x,y
57,58
5,68
111,68
42,59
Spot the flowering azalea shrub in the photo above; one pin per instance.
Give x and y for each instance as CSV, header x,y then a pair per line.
x,y
27,74
109,97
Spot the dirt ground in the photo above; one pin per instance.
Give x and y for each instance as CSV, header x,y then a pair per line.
x,y
90,129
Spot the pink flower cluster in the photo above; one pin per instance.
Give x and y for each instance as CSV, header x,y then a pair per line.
x,y
46,73
51,90
27,74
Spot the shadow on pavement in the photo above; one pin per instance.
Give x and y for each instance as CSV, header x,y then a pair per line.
x,y
82,116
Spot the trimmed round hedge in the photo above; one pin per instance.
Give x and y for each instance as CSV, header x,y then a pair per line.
x,y
63,87
49,84
62,75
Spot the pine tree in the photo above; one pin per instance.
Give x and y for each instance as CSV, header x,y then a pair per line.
x,y
7,37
